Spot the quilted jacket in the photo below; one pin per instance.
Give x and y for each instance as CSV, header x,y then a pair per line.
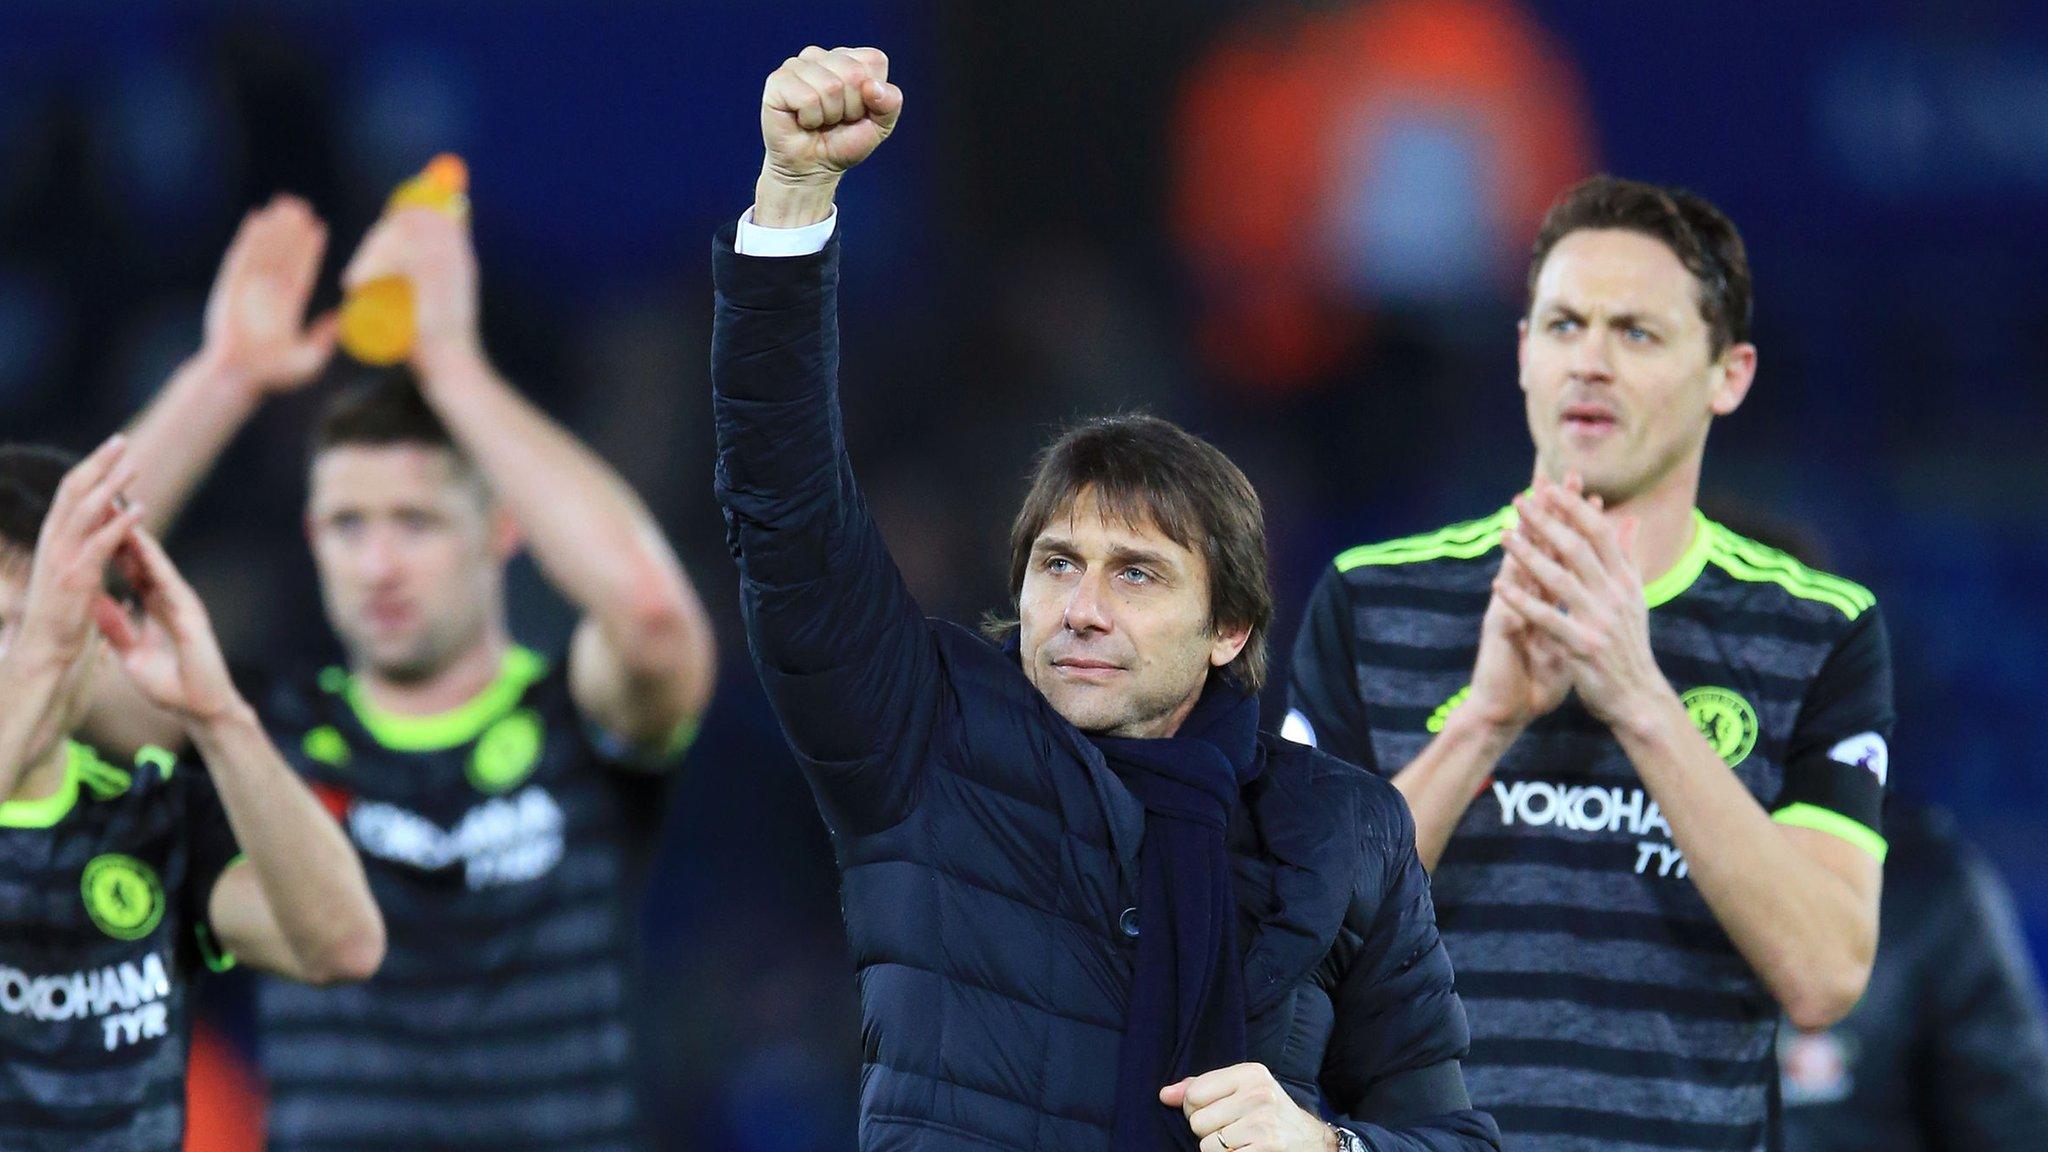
x,y
989,855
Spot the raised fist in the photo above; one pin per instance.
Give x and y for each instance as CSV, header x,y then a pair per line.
x,y
824,112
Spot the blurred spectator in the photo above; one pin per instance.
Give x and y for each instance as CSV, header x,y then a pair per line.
x,y
1948,1048
1389,151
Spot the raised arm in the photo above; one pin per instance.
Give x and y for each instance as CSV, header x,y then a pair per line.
x,y
257,344
846,657
299,905
49,635
642,662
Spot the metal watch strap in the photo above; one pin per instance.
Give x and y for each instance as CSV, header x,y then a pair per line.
x,y
1349,1141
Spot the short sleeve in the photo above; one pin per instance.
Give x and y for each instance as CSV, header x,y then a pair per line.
x,y
609,748
1837,767
1324,708
617,752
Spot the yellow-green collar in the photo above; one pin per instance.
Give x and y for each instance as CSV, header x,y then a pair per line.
x,y
458,725
1691,563
45,811
1681,575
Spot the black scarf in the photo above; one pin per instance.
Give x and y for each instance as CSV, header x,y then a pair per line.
x,y
1187,1004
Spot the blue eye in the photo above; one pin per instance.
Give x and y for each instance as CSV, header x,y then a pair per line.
x,y
1562,325
1137,575
1058,565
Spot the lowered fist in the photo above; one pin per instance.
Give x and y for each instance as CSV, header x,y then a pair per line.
x,y
821,113
1242,1108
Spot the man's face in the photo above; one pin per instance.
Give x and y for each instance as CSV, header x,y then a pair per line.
x,y
410,556
1616,373
1114,624
74,691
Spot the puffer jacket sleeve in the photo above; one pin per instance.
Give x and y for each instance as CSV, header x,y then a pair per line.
x,y
848,661
1391,1070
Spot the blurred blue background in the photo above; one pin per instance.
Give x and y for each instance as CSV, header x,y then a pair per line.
x,y
1300,228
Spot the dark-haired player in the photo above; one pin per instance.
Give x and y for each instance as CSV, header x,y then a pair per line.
x,y
1646,756
119,882
493,792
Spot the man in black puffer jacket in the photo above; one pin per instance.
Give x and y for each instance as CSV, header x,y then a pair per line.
x,y
1093,908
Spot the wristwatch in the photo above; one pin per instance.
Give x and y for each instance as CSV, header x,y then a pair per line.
x,y
1349,1141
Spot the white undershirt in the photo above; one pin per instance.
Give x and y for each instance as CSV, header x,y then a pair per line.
x,y
759,240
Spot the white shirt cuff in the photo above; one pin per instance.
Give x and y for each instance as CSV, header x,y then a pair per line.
x,y
809,240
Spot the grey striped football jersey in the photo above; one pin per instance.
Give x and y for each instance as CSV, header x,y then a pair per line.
x,y
103,893
1608,1007
499,843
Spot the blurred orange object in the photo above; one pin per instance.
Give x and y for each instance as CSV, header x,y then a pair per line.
x,y
224,1098
377,317
1284,125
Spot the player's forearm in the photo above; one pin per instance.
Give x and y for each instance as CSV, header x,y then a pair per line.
x,y
590,534
122,720
30,678
651,704
1808,935
177,440
311,877
1440,783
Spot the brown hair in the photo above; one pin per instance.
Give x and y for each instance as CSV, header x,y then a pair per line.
x,y
1144,469
1699,234
382,410
29,476
378,410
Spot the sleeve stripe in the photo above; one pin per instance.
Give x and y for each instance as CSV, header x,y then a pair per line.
x,y
1834,824
216,958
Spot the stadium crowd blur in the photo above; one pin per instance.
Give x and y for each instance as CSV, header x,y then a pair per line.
x,y
1299,228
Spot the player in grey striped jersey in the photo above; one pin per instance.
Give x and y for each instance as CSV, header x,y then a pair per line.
x,y
116,882
492,791
1646,756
